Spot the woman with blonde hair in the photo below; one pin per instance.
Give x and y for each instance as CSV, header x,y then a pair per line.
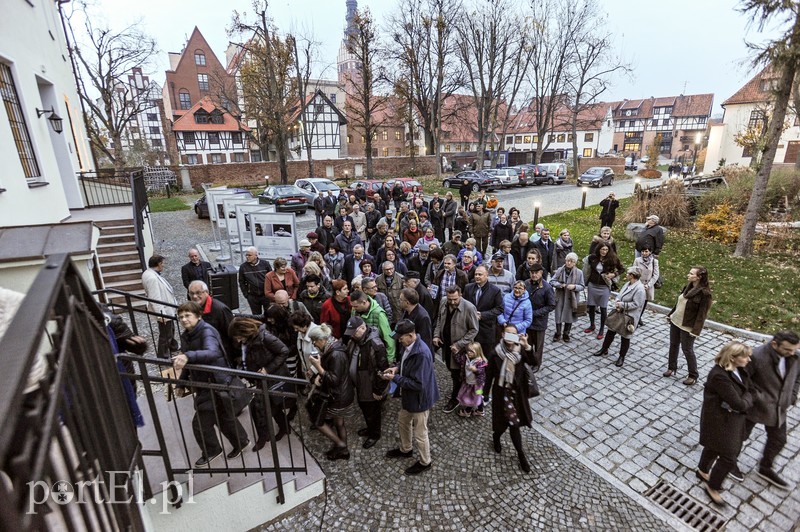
x,y
726,400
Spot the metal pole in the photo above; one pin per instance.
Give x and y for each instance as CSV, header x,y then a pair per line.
x,y
583,198
216,247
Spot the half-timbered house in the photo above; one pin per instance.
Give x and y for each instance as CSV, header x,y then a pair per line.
x,y
208,134
322,122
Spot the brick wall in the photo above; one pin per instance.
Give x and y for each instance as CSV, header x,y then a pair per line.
x,y
615,163
253,173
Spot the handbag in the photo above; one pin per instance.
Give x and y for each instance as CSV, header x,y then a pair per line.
x,y
317,406
581,309
659,282
532,387
238,394
620,322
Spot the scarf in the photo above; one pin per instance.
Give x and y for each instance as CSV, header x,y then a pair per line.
x,y
568,277
564,244
510,360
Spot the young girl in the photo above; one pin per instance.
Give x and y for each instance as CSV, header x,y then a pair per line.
x,y
473,376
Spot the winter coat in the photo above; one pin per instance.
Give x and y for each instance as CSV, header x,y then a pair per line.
x,y
335,264
521,402
651,237
328,314
490,306
463,325
417,379
346,244
517,311
567,300
597,240
543,302
772,395
479,224
272,284
633,299
501,232
650,273
392,290
203,345
548,253
335,379
314,304
723,415
697,306
251,277
562,250
370,354
376,317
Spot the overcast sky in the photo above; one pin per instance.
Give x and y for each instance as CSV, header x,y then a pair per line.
x,y
675,47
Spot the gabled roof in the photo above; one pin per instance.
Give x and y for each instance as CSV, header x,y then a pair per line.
x,y
664,102
187,122
751,91
693,105
297,110
197,41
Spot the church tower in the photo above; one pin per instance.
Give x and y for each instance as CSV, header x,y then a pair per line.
x,y
347,65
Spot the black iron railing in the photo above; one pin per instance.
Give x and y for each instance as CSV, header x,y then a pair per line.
x,y
64,419
107,188
141,210
176,453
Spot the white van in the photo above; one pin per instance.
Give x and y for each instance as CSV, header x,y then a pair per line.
x,y
556,172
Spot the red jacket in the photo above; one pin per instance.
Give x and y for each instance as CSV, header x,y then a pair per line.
x,y
272,284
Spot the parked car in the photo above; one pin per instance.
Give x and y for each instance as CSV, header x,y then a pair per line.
x,y
408,183
531,174
556,173
312,186
201,205
478,179
597,176
509,177
286,198
630,164
371,186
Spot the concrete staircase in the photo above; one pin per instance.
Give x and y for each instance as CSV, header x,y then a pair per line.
x,y
119,258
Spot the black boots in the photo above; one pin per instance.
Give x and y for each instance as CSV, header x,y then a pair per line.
x,y
601,353
620,361
557,336
567,329
496,441
523,463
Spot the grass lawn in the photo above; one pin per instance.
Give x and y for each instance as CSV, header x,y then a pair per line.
x,y
759,293
175,203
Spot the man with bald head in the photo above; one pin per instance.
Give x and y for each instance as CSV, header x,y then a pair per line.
x,y
195,269
291,306
252,273
218,315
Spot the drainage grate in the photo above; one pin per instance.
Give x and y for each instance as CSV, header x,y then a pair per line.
x,y
686,508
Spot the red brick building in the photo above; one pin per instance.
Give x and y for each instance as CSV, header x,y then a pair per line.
x,y
209,134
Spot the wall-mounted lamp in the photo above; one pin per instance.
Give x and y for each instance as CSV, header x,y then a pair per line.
x,y
56,121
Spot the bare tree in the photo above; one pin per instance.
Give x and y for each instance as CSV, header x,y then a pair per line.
x,y
267,83
552,23
304,59
783,54
593,63
364,104
423,44
495,54
105,59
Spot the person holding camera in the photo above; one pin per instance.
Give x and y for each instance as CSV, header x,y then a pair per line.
x,y
609,212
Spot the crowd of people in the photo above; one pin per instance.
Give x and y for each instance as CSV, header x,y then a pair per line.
x,y
389,281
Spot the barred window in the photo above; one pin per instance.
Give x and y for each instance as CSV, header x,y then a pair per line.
x,y
19,129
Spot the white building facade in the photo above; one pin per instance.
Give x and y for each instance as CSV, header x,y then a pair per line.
x,y
38,184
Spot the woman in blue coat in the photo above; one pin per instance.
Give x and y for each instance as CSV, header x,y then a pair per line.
x,y
726,400
517,309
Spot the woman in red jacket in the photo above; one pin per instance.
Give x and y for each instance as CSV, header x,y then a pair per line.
x,y
281,278
336,310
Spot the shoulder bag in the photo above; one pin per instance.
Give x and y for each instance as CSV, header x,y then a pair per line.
x,y
619,322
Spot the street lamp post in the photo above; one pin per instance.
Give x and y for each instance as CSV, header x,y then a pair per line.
x,y
346,174
583,198
536,207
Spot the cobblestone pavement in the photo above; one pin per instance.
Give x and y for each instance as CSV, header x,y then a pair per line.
x,y
602,436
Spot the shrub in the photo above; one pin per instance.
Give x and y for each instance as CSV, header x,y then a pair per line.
x,y
669,204
722,224
783,188
649,173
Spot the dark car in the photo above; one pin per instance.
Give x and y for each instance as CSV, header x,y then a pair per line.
x,y
286,198
597,176
201,205
478,180
531,174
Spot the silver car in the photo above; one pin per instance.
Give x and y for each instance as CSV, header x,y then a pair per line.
x,y
509,177
312,186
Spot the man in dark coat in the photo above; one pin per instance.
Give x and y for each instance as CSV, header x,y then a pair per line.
x,y
313,296
252,273
547,249
330,205
398,195
543,300
319,207
368,352
520,247
326,232
412,280
419,262
416,377
774,369
450,208
651,237
412,310
195,269
488,301
609,212
352,263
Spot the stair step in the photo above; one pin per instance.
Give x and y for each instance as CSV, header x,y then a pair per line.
x,y
122,238
122,265
114,247
126,285
114,223
117,230
122,275
115,257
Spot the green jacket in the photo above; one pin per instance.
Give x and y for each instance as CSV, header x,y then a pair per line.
x,y
376,317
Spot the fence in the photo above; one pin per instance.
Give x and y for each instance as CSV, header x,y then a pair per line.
x,y
64,420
